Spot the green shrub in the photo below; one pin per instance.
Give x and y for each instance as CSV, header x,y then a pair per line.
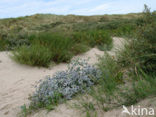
x,y
35,55
3,45
84,26
120,27
144,86
99,38
141,52
14,40
60,47
130,76
93,38
110,70
79,48
58,44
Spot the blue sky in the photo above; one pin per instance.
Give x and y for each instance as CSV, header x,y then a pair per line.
x,y
16,8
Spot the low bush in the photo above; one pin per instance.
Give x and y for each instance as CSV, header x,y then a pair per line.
x,y
13,40
79,48
44,48
34,55
93,38
3,45
143,86
141,52
84,26
79,77
61,47
58,44
120,27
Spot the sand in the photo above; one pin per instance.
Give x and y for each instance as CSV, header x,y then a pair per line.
x,y
16,83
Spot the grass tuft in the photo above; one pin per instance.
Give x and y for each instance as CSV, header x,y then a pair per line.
x,y
34,55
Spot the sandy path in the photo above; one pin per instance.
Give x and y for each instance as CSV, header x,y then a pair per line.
x,y
16,82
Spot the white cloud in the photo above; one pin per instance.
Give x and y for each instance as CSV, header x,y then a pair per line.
x,y
11,8
100,9
15,8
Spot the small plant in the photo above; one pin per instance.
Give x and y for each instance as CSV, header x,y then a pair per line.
x,y
78,78
79,48
24,111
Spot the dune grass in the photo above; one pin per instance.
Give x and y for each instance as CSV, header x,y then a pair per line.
x,y
124,80
3,45
35,55
94,38
65,36
59,47
58,44
128,78
16,31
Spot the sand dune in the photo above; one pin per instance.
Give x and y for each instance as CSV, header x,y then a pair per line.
x,y
16,83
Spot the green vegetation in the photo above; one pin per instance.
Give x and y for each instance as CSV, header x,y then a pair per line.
x,y
94,38
124,80
61,36
33,55
130,77
59,47
62,86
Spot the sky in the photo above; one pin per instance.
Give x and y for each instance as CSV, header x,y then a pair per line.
x,y
17,8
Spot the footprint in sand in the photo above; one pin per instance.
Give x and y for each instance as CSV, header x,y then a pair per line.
x,y
7,106
7,112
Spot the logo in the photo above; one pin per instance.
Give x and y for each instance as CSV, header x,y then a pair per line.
x,y
138,111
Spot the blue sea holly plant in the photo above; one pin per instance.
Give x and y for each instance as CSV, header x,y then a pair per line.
x,y
63,85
